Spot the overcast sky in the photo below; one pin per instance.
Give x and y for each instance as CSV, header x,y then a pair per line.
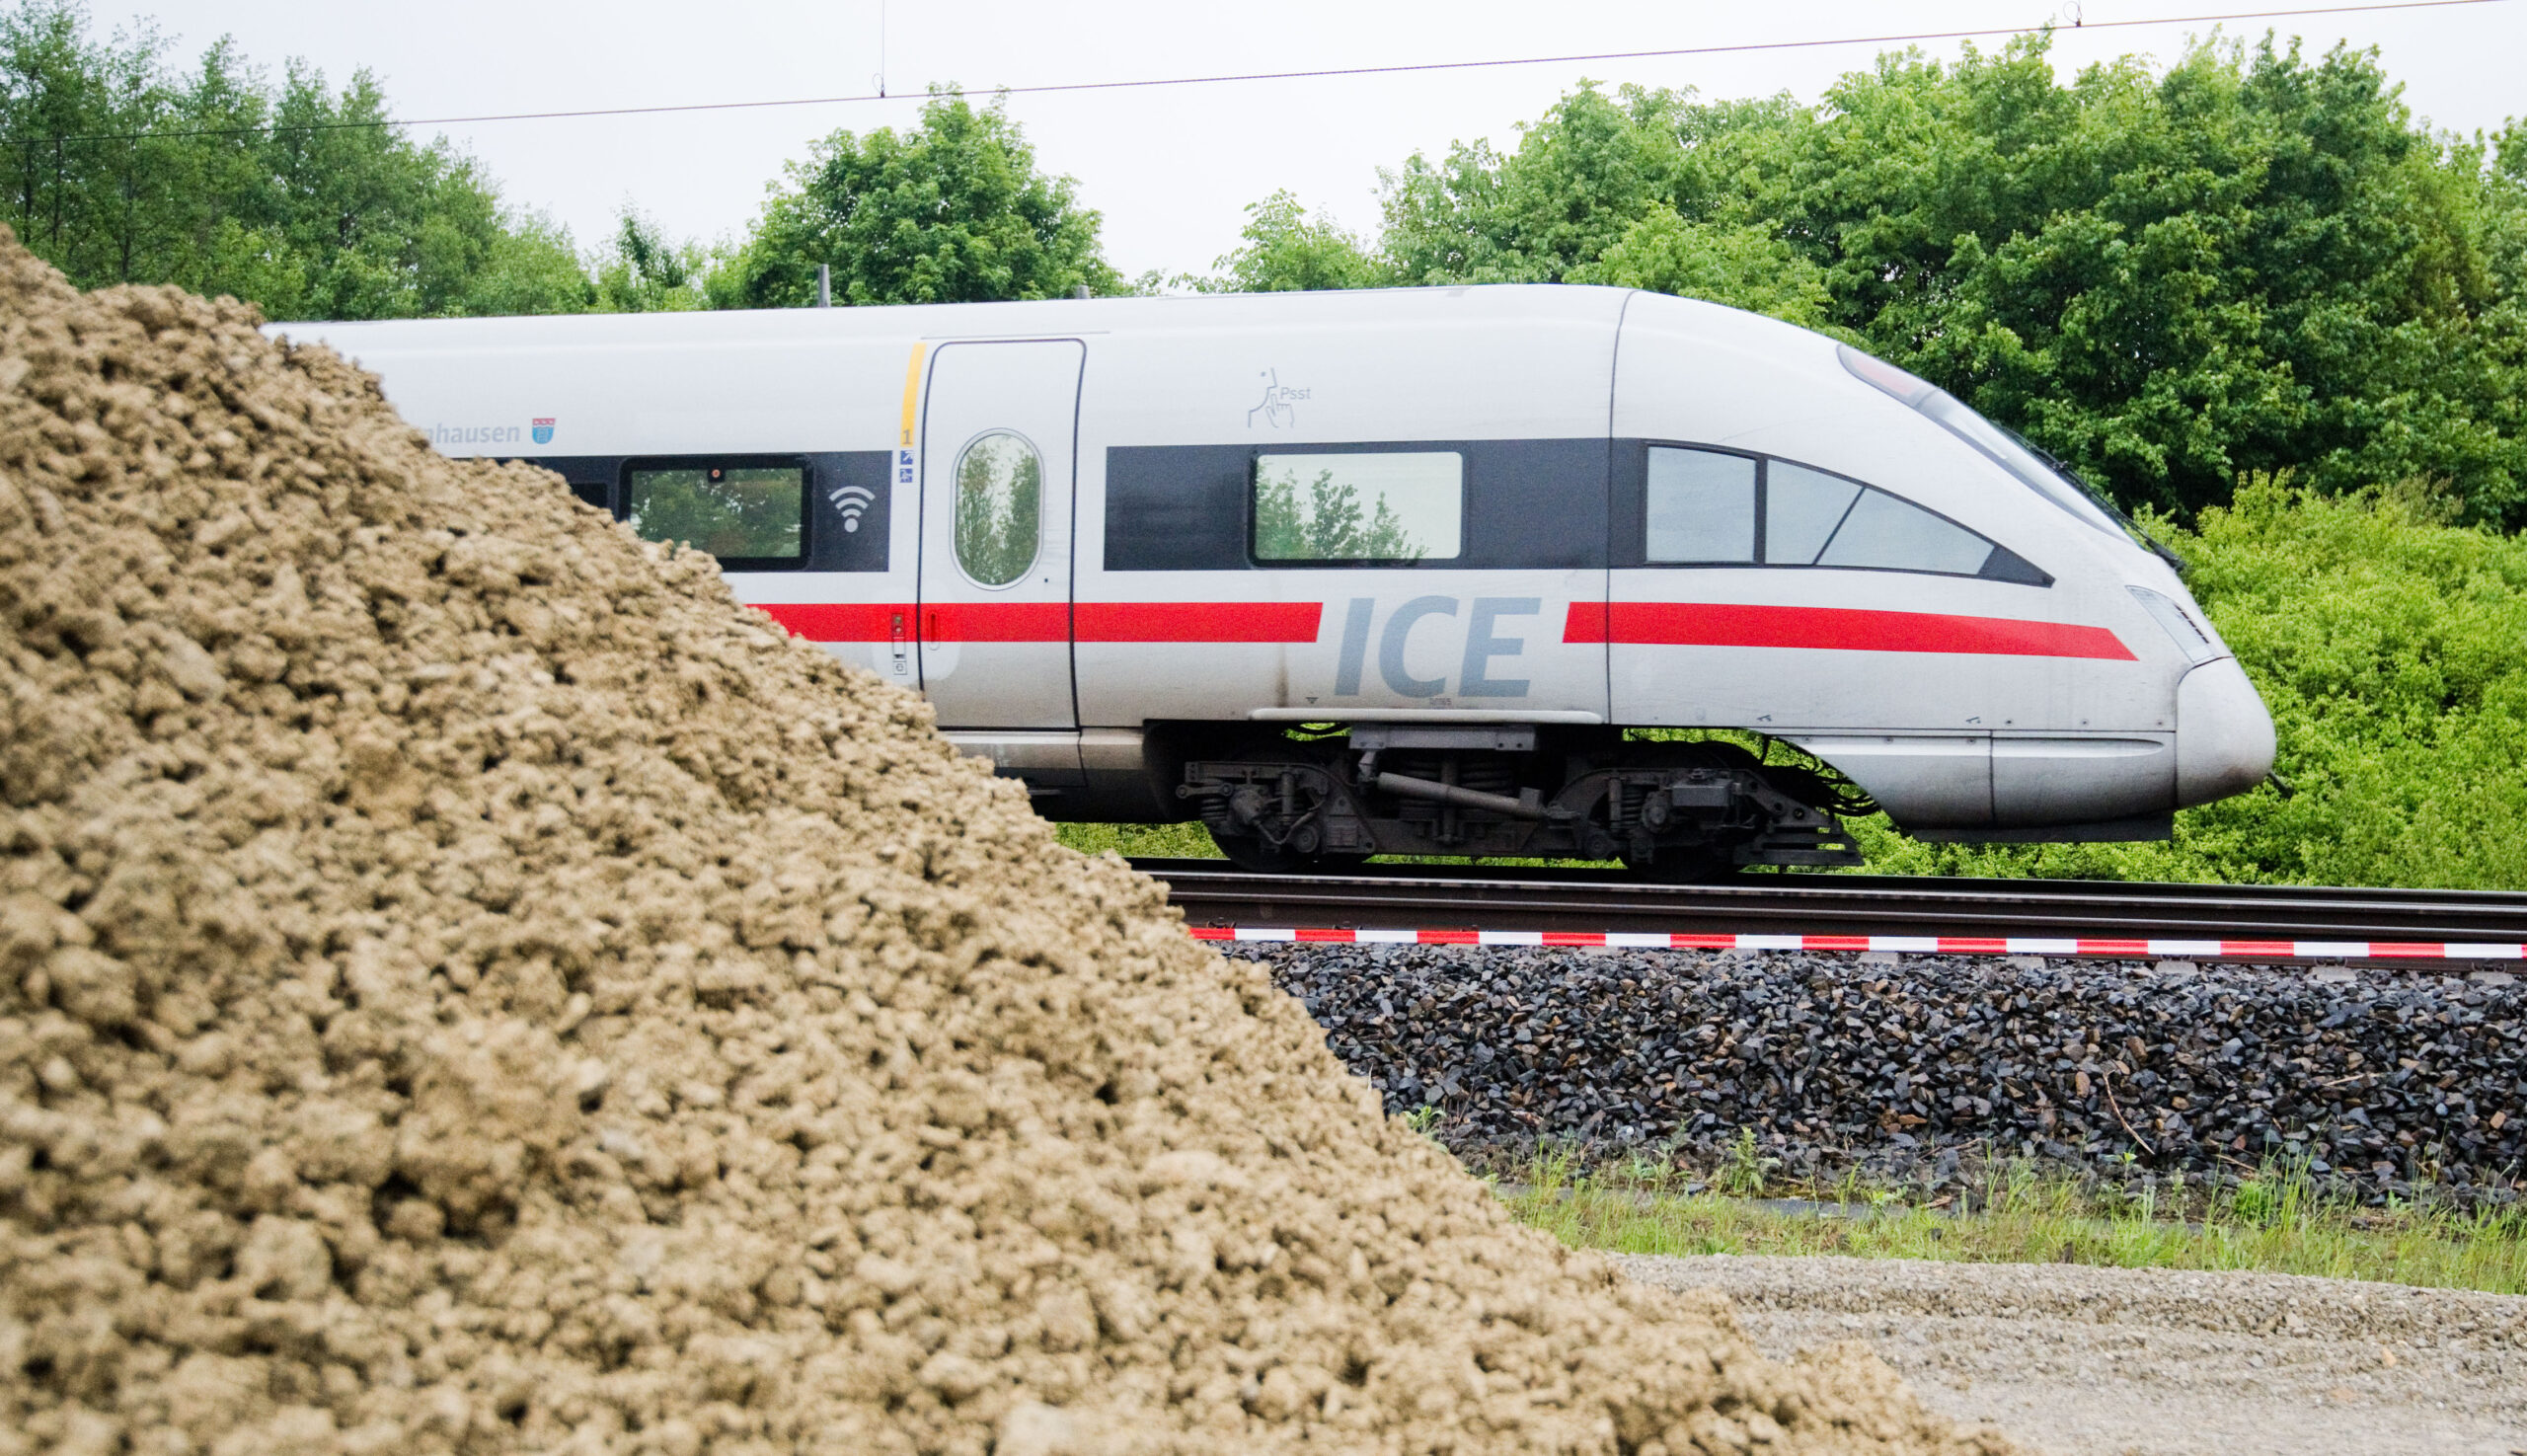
x,y
1170,168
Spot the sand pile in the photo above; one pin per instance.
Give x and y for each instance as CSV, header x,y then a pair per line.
x,y
471,986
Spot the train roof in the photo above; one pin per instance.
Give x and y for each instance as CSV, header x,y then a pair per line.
x,y
1469,304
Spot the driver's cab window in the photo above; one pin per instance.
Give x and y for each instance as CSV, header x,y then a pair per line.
x,y
1712,507
1701,507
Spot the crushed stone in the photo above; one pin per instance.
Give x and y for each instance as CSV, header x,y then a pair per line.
x,y
2382,1084
471,986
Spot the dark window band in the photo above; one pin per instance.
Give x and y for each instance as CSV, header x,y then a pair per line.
x,y
846,506
1528,504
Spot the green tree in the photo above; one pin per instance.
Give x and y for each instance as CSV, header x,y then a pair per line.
x,y
1285,251
647,273
100,203
530,267
2176,279
1643,189
1742,267
1581,179
386,228
1578,180
116,166
2246,263
952,210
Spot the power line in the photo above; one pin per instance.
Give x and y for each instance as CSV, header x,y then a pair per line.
x,y
1325,73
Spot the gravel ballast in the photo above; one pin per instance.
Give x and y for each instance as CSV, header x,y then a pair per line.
x,y
2387,1078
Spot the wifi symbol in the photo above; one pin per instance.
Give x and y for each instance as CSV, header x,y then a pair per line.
x,y
854,501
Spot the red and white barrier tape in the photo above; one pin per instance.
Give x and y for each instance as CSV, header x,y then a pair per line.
x,y
1944,944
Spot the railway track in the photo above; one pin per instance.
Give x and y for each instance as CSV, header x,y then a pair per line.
x,y
1868,912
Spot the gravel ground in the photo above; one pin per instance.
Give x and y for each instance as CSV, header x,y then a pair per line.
x,y
2085,1361
2387,1079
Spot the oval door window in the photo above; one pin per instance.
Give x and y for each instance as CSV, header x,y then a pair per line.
x,y
1000,489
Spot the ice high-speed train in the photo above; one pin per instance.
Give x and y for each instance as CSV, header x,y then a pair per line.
x,y
1398,572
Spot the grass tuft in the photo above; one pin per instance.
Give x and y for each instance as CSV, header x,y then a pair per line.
x,y
2278,1220
1187,841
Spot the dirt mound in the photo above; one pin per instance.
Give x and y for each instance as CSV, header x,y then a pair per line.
x,y
471,986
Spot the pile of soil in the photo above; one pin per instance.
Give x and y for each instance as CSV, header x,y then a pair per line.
x,y
470,985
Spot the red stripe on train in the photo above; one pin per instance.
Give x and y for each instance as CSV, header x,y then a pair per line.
x,y
995,621
1199,621
1109,622
1734,625
846,620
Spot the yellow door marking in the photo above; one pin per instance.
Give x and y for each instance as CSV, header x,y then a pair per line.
x,y
913,390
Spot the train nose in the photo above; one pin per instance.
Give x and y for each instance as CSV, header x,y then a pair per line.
x,y
2223,735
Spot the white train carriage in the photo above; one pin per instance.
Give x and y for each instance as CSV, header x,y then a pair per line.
x,y
1398,572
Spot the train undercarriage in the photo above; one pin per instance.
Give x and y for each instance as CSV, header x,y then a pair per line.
x,y
1674,811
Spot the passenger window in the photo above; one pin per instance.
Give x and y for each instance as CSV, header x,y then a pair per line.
x,y
746,515
1701,506
1882,531
1398,506
1802,509
999,492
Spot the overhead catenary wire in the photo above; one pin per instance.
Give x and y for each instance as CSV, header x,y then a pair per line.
x,y
1323,73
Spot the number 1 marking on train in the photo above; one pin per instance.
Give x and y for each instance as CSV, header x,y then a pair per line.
x,y
912,401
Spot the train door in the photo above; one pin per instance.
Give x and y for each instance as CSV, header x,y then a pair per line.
x,y
997,459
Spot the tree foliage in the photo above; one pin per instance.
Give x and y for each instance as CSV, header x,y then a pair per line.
x,y
647,273
1744,266
1582,179
951,211
117,164
2248,262
1283,250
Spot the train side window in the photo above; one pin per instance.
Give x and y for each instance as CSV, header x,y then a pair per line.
x,y
750,515
1701,507
1883,531
1802,509
1000,491
1367,505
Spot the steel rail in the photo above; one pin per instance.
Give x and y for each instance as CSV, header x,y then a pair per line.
x,y
1212,892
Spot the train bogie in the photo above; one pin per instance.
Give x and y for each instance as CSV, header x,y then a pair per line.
x,y
1434,572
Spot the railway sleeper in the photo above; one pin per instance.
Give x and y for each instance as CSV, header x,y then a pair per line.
x,y
1694,813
